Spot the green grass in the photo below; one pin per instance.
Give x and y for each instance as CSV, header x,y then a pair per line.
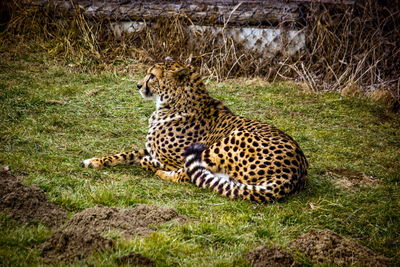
x,y
52,118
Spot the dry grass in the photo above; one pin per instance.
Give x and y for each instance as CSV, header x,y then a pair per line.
x,y
347,47
354,45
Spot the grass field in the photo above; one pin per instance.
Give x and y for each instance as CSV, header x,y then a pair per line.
x,y
52,117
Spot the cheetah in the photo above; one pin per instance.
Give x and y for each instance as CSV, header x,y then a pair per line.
x,y
194,138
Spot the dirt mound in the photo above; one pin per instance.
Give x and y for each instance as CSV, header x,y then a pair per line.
x,y
135,259
347,179
86,231
326,246
270,257
27,203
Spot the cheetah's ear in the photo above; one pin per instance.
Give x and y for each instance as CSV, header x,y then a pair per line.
x,y
180,73
169,59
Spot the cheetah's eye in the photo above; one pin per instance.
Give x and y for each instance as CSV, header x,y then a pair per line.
x,y
151,77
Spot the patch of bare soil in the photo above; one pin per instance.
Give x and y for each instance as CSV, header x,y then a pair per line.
x,y
27,203
347,179
135,259
270,257
324,246
86,232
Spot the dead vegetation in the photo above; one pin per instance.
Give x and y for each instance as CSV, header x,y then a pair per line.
x,y
348,179
351,49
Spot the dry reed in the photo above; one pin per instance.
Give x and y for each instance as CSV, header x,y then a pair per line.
x,y
346,45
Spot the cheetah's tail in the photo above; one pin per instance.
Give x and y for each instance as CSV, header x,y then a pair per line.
x,y
202,177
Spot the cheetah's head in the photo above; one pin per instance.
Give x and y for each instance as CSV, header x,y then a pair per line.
x,y
169,81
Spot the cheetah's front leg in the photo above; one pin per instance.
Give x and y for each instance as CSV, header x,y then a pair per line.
x,y
141,157
112,160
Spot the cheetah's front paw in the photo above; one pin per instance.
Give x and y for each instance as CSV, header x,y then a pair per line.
x,y
94,163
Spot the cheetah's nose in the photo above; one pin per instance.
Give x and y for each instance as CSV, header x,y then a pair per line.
x,y
139,86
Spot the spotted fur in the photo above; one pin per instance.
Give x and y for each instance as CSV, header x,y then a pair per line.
x,y
194,138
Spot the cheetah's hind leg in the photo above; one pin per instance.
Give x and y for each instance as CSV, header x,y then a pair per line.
x,y
177,176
